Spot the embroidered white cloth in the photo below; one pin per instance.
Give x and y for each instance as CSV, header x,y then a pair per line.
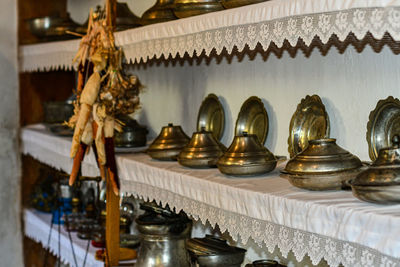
x,y
265,23
37,227
332,225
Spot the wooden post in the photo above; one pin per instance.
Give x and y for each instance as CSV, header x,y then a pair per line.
x,y
112,207
112,225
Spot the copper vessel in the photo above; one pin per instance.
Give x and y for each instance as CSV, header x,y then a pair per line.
x,y
160,12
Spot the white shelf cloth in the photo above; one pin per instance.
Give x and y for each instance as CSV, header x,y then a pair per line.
x,y
331,225
265,23
37,227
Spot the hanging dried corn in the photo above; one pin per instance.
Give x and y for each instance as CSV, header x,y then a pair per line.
x,y
108,92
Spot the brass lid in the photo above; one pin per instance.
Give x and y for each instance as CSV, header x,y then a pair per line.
x,y
160,12
211,245
211,116
188,8
246,156
171,138
322,156
385,170
203,150
253,118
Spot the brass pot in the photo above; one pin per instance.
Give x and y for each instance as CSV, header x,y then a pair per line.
x,y
238,3
189,8
246,156
168,143
203,151
160,12
213,251
322,165
380,183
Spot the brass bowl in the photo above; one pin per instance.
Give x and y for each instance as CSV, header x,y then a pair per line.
x,y
203,151
310,121
211,116
168,143
246,156
253,119
323,165
380,183
189,8
238,3
52,27
160,12
383,124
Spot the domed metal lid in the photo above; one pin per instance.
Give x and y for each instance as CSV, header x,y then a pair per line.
x,y
322,156
202,144
385,170
211,245
170,137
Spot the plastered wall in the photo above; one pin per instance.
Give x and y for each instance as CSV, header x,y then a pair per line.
x,y
10,232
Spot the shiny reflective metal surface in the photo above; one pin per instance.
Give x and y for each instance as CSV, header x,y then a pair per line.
x,y
160,12
52,27
323,165
246,156
253,119
383,124
203,151
380,183
211,116
163,240
212,251
133,134
238,3
310,121
188,8
264,263
168,143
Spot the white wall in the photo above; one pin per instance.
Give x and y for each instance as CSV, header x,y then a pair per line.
x,y
349,84
10,226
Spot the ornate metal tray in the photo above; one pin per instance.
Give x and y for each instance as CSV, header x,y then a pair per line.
x,y
253,119
211,116
310,121
383,124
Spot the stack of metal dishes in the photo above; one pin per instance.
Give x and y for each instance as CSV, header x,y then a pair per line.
x,y
204,148
264,263
310,121
212,251
247,155
188,8
238,3
322,165
160,12
380,183
168,143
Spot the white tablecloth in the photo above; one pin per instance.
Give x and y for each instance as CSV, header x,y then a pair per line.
x,y
332,225
265,23
37,227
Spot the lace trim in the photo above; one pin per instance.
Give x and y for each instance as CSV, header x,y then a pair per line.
x,y
271,235
357,21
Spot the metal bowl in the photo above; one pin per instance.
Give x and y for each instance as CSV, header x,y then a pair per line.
x,y
133,134
211,116
189,8
57,111
52,27
203,151
383,124
238,3
168,143
212,251
323,165
310,121
160,12
246,156
253,119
